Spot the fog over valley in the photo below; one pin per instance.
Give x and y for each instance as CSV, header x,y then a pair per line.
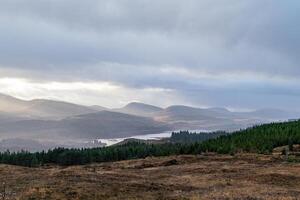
x,y
42,124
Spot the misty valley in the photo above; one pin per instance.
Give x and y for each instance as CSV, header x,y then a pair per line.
x,y
37,125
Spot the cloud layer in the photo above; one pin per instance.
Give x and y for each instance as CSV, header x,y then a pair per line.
x,y
239,54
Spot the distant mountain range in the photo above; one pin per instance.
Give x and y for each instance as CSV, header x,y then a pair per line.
x,y
56,120
40,108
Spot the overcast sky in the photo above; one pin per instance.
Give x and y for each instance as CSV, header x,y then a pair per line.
x,y
239,54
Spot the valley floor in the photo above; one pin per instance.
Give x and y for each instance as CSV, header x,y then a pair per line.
x,y
246,176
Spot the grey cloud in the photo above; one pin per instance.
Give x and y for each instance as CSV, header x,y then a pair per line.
x,y
129,43
206,34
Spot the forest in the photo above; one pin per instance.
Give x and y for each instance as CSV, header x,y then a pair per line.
x,y
191,137
258,139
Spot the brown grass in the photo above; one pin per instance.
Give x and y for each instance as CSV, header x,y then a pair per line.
x,y
220,177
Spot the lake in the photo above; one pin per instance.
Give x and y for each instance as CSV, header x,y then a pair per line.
x,y
157,136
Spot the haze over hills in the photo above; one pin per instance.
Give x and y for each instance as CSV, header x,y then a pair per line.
x,y
41,108
57,121
103,124
273,114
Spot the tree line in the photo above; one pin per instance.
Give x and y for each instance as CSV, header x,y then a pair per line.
x,y
191,137
258,139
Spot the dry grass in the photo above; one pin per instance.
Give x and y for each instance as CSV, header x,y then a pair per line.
x,y
246,176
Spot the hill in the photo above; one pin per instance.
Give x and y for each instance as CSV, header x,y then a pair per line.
x,y
56,109
40,108
205,177
190,118
272,114
140,109
259,139
103,124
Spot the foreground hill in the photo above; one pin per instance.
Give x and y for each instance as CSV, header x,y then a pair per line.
x,y
205,177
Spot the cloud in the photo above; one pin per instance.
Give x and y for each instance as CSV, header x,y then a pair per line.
x,y
240,50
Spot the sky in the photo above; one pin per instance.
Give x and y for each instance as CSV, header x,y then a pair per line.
x,y
239,54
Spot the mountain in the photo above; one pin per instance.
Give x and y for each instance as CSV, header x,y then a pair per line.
x,y
103,124
98,108
40,108
190,118
273,114
184,113
57,120
140,109
107,124
50,108
10,104
181,112
9,117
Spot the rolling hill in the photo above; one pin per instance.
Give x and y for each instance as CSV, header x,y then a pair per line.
x,y
40,108
103,124
140,109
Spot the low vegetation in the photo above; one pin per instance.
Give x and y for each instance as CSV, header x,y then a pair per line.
x,y
258,139
184,177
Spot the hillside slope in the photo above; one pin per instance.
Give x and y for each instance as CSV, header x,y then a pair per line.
x,y
103,124
206,177
140,109
40,108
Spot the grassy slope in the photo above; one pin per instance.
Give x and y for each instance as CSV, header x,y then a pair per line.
x,y
205,177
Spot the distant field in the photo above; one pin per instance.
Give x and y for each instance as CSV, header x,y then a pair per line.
x,y
243,176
